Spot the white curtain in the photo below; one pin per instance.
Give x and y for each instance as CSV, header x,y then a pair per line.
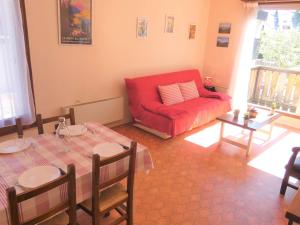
x,y
243,60
15,87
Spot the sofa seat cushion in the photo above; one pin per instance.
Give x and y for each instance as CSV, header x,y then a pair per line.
x,y
171,112
184,116
187,108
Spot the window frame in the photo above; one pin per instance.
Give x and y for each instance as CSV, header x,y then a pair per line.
x,y
27,45
11,128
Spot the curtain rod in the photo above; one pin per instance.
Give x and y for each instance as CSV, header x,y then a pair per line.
x,y
278,3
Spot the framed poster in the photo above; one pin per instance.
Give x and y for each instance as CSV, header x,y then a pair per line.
x,y
169,24
192,31
224,28
223,42
142,27
75,21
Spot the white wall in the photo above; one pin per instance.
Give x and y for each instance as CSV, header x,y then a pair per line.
x,y
64,75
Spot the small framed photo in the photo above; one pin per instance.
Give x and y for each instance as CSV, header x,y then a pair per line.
x,y
142,27
223,42
75,22
224,28
169,24
192,31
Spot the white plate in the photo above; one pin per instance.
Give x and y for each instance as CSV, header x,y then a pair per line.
x,y
74,130
107,149
37,176
15,145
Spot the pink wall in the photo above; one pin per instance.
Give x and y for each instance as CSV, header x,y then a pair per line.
x,y
65,75
219,62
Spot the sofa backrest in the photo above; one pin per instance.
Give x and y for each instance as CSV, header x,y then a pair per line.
x,y
145,89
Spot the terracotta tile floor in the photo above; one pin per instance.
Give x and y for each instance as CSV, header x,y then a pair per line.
x,y
196,181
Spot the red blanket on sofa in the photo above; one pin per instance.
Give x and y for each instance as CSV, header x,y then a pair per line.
x,y
146,106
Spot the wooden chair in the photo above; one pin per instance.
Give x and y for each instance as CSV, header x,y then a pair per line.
x,y
292,170
40,122
69,206
112,195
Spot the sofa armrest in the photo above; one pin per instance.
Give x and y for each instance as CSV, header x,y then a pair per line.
x,y
209,94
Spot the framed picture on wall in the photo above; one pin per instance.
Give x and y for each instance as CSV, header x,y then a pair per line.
x,y
75,21
142,27
169,24
224,28
223,42
192,31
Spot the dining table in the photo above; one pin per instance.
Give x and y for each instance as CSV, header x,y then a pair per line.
x,y
48,149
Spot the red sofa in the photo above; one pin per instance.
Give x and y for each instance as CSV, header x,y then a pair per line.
x,y
148,111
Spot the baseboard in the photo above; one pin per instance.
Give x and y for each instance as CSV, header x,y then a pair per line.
x,y
288,121
152,131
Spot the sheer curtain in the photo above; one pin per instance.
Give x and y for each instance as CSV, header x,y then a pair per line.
x,y
242,68
15,88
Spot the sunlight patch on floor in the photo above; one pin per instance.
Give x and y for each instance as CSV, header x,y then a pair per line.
x,y
207,137
211,135
276,150
274,159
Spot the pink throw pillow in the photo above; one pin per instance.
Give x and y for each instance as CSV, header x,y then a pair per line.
x,y
170,94
189,90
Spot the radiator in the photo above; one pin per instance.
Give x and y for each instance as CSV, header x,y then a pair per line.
x,y
104,111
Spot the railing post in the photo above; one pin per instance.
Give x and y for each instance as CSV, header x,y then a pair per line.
x,y
256,88
298,108
252,81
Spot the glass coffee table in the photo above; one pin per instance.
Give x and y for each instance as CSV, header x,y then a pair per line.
x,y
264,117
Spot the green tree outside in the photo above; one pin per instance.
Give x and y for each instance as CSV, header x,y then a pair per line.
x,y
282,47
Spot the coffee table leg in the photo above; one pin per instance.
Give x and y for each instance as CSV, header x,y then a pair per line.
x,y
249,146
221,132
270,131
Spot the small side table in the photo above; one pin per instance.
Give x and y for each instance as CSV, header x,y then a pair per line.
x,y
210,88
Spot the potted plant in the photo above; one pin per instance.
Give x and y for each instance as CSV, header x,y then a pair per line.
x,y
252,113
273,107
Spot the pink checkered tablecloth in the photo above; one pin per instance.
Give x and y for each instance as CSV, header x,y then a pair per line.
x,y
46,149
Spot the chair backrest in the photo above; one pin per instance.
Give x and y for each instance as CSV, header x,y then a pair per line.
x,y
70,204
17,128
40,121
128,173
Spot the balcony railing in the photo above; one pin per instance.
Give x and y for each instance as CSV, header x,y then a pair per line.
x,y
268,85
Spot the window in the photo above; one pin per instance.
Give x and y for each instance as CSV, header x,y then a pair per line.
x,y
15,88
275,77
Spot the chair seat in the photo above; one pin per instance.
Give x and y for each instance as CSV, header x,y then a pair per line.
x,y
108,198
60,219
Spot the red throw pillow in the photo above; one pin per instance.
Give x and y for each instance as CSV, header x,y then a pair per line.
x,y
189,90
170,94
